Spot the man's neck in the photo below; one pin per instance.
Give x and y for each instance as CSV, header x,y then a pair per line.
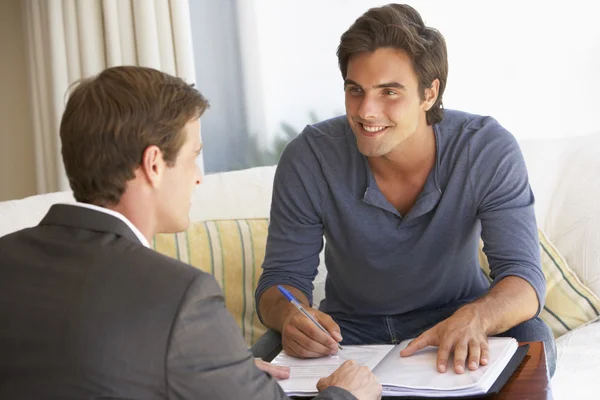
x,y
136,214
414,157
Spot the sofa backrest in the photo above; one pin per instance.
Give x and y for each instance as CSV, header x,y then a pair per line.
x,y
564,174
25,213
243,194
573,218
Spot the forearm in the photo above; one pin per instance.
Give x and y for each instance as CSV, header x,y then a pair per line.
x,y
510,302
274,308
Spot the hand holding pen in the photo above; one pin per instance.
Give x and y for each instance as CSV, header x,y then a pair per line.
x,y
302,337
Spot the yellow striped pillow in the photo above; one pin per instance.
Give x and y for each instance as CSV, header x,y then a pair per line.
x,y
569,303
232,251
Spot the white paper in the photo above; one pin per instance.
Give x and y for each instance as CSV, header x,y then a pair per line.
x,y
416,375
305,373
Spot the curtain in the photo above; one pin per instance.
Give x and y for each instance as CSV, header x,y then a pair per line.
x,y
72,39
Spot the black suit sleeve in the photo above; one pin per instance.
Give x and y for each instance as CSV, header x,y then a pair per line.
x,y
207,357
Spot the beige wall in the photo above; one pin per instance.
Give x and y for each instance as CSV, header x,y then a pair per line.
x,y
17,170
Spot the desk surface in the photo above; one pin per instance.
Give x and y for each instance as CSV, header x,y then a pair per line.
x,y
530,380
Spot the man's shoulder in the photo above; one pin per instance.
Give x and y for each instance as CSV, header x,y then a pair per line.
x,y
478,131
9,237
322,143
464,121
9,240
335,127
152,256
106,252
170,271
324,132
145,260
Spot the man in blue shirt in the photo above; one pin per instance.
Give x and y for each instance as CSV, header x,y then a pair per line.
x,y
403,190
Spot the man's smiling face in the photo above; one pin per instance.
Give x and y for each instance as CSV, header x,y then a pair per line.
x,y
383,104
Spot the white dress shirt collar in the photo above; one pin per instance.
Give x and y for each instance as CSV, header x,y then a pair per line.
x,y
118,215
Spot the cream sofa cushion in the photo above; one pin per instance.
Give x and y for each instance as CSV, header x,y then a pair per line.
x,y
574,214
569,303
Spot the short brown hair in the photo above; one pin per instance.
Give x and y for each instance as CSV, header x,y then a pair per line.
x,y
400,26
109,121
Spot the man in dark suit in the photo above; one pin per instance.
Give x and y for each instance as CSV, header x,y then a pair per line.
x,y
88,310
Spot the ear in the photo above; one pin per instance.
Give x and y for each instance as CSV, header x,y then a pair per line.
x,y
431,94
153,165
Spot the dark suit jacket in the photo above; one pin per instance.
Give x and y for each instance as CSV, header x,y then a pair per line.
x,y
88,312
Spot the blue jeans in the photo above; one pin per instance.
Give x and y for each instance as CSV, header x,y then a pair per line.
x,y
396,328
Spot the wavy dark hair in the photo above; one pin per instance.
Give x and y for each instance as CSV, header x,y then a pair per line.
x,y
400,26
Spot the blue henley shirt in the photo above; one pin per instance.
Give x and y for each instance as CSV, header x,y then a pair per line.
x,y
380,262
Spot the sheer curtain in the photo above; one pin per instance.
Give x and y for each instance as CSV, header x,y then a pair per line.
x,y
72,39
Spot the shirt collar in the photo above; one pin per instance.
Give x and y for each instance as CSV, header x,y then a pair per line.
x,y
118,215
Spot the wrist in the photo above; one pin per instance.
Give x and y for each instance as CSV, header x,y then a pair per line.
x,y
480,313
282,313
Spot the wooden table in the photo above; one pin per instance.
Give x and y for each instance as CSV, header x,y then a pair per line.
x,y
530,380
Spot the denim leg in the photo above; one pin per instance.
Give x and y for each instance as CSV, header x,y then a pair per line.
x,y
362,329
411,325
390,329
536,330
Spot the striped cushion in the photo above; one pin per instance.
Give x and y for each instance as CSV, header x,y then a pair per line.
x,y
232,251
569,303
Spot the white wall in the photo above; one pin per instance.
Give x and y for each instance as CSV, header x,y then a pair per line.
x,y
532,64
17,172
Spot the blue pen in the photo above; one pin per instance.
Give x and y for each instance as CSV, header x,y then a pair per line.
x,y
308,315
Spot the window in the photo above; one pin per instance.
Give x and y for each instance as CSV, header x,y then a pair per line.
x,y
269,68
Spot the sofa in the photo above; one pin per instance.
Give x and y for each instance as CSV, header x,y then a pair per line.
x,y
230,213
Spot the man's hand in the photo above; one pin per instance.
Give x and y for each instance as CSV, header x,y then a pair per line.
x,y
276,371
356,379
301,338
464,334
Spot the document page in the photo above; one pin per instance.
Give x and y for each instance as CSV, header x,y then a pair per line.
x,y
400,376
305,373
417,375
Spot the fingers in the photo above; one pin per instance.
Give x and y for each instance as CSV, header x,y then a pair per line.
x,y
324,383
427,338
448,346
313,332
474,355
276,371
461,350
347,364
485,353
469,354
302,338
443,354
304,347
356,379
332,327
